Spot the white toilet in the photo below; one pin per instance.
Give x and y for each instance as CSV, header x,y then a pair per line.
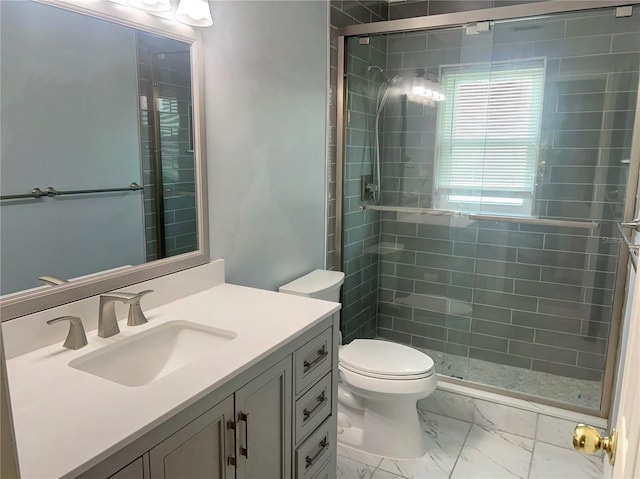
x,y
379,384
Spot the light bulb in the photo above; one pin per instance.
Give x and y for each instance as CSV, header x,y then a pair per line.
x,y
151,5
194,12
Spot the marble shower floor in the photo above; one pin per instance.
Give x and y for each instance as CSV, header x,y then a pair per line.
x,y
572,391
461,450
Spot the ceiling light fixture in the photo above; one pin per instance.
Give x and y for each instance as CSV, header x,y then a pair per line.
x,y
194,12
151,5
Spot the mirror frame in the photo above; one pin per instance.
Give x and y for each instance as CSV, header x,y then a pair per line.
x,y
20,304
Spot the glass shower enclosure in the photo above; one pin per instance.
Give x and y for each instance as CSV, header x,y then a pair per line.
x,y
164,84
485,165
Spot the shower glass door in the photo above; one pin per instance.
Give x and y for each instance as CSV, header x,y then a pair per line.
x,y
410,266
560,98
485,169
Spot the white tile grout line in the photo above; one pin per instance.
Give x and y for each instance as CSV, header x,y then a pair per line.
x,y
533,450
461,448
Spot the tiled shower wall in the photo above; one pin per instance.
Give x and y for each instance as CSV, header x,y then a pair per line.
x,y
533,296
419,8
361,229
359,301
170,72
343,13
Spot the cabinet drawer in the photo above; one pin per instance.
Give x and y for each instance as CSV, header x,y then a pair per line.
x,y
313,360
314,452
313,408
328,471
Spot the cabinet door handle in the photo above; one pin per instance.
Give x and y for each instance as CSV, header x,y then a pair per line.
x,y
310,461
320,401
232,459
321,354
245,418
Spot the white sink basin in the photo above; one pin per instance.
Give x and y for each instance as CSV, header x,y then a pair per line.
x,y
152,354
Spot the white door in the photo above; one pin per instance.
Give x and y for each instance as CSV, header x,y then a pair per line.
x,y
626,412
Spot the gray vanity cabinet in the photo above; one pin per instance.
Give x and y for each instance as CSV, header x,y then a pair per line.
x,y
256,444
135,470
276,420
198,450
263,431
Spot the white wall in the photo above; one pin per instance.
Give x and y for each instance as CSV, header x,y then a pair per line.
x,y
266,65
69,120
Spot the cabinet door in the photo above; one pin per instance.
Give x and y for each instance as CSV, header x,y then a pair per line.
x,y
135,470
263,412
198,450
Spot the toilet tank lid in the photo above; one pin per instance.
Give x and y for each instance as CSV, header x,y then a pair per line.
x,y
384,357
314,282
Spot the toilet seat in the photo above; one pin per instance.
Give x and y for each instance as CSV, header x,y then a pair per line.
x,y
389,377
385,360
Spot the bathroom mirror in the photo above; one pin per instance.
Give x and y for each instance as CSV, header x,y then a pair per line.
x,y
102,157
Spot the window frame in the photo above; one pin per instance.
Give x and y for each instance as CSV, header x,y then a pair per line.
x,y
442,192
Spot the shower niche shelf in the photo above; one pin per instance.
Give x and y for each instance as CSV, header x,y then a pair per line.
x,y
384,248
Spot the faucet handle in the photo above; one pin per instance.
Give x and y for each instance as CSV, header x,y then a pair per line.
x,y
107,322
125,297
52,280
135,297
136,316
76,338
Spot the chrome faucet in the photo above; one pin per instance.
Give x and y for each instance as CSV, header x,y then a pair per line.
x,y
76,337
107,321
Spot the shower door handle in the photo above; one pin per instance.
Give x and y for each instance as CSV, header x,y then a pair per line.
x,y
633,224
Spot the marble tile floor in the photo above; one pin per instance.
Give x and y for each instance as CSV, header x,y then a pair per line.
x,y
461,450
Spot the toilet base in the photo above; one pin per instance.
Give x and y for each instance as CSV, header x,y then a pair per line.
x,y
386,430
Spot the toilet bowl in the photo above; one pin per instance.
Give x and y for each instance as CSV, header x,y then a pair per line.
x,y
385,380
379,383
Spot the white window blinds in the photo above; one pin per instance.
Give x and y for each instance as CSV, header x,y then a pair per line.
x,y
488,136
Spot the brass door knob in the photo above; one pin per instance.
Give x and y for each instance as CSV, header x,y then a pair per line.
x,y
587,440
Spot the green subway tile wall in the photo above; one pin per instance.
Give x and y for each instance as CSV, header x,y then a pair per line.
x,y
533,296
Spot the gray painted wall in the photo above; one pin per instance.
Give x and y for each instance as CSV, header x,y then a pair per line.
x,y
266,66
69,120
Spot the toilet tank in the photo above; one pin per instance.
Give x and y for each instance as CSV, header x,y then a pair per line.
x,y
319,284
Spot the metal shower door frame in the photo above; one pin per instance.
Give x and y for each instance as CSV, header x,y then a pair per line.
x,y
633,184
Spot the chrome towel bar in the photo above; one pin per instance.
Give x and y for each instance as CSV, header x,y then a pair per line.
x,y
507,219
51,192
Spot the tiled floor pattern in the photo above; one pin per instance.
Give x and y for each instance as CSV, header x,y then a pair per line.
x,y
459,450
577,392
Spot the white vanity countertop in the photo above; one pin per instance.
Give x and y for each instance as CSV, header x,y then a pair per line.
x,y
67,420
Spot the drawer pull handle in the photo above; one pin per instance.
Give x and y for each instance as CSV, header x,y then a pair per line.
x,y
322,353
244,417
310,461
321,400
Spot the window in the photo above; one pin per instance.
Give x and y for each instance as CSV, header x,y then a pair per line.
x,y
488,136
